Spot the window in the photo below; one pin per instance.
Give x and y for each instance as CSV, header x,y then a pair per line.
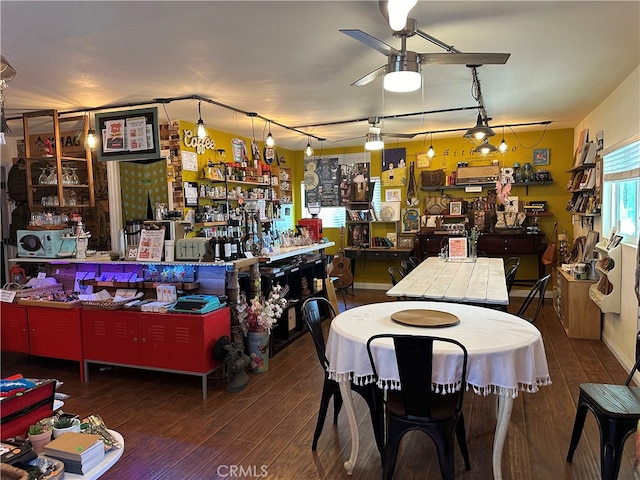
x,y
334,217
621,190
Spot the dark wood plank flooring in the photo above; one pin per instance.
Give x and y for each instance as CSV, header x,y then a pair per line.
x,y
265,431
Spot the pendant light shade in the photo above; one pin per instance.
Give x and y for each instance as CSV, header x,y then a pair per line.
x,y
398,12
374,139
485,148
481,131
201,128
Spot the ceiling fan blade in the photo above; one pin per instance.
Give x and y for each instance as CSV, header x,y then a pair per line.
x,y
399,135
370,41
369,77
463,58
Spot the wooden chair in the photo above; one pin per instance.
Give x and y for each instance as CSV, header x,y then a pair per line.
x,y
312,316
617,410
417,407
539,289
396,275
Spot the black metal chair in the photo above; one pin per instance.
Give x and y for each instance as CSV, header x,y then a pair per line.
x,y
396,275
510,262
617,410
539,288
406,266
417,407
415,261
510,276
312,310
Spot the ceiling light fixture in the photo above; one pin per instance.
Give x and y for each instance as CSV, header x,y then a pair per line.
x,y
485,148
308,152
398,12
403,73
480,132
503,147
201,128
373,139
270,141
431,152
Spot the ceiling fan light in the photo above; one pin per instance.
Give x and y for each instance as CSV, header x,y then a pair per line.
x,y
403,73
373,139
398,12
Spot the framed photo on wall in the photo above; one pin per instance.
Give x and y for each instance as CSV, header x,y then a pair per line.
x,y
541,156
455,208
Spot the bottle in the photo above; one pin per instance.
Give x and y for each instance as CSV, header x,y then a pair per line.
x,y
240,242
227,247
233,242
215,247
222,242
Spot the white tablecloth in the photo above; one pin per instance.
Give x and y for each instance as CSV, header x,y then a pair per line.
x,y
506,353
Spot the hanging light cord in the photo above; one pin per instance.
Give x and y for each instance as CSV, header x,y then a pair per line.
x,y
535,144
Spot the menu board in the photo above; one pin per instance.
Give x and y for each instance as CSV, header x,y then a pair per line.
x,y
322,181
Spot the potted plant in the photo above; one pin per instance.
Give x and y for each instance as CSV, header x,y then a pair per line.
x,y
65,424
39,436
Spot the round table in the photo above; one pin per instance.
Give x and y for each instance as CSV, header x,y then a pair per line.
x,y
506,356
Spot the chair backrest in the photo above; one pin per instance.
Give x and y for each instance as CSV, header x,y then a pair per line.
x,y
510,276
406,266
396,275
414,357
636,366
312,316
539,289
509,262
415,261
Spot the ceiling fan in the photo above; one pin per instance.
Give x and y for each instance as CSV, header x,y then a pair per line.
x,y
403,69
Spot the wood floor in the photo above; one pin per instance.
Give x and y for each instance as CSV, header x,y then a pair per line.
x,y
265,431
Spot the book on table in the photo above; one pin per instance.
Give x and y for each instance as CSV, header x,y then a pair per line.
x,y
79,452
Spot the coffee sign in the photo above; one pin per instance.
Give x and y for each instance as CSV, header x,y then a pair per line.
x,y
200,145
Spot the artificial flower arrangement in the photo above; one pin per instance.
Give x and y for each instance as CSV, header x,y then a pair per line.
x,y
260,314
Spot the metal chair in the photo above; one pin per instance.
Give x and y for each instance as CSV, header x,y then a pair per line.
x,y
415,261
406,266
509,262
510,276
418,407
539,289
617,410
396,275
311,314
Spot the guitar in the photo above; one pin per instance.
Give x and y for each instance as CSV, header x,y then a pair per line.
x,y
342,266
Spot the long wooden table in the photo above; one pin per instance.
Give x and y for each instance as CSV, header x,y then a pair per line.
x,y
478,281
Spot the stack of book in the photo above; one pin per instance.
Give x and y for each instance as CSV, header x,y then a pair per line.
x,y
80,452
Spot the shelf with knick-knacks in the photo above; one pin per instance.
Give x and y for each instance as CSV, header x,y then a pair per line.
x,y
606,292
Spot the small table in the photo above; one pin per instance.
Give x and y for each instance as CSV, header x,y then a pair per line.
x,y
478,281
506,356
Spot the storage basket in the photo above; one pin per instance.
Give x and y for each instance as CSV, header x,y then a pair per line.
x,y
105,304
10,472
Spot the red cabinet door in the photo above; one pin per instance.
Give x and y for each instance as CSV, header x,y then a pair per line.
x,y
14,328
110,336
55,332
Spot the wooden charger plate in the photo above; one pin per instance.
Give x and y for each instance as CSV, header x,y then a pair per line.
x,y
425,318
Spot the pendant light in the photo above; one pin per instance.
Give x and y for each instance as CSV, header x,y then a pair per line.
x,y
431,152
270,141
485,148
308,152
91,139
480,132
503,147
201,128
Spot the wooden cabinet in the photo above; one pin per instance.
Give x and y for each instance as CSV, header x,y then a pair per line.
x,y
14,328
606,293
579,316
170,342
281,181
59,168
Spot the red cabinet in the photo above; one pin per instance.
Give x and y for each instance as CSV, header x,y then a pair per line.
x,y
55,333
162,341
14,328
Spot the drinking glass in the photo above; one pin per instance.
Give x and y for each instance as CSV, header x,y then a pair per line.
x,y
74,176
52,179
43,179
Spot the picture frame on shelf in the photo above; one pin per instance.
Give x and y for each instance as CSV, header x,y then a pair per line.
x,y
540,156
458,247
455,208
410,220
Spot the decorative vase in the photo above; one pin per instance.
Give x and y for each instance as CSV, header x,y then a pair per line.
x,y
258,349
473,249
39,440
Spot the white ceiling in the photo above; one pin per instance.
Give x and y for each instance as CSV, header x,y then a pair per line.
x,y
288,62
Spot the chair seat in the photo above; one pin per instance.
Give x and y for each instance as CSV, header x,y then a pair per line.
x,y
615,400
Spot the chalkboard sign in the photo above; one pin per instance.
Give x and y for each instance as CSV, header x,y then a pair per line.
x,y
128,135
322,181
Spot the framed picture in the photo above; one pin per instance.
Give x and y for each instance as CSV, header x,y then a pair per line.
x,y
393,195
455,208
541,156
458,247
132,252
410,220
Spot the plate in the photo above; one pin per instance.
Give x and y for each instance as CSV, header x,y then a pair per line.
x,y
419,317
311,180
386,214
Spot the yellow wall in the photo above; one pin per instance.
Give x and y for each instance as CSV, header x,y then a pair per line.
x,y
449,151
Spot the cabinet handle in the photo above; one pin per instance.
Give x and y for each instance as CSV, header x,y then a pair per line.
x,y
143,340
